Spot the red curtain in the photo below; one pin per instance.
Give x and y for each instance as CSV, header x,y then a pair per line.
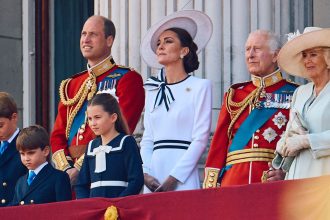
x,y
299,199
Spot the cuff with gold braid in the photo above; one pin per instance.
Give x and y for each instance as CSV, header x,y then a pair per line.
x,y
211,177
61,160
79,162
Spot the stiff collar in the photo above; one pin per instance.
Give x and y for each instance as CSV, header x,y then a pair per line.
x,y
268,80
102,67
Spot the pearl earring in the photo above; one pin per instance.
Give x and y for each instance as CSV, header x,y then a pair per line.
x,y
181,56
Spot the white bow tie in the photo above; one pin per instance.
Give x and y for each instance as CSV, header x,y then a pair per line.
x,y
100,157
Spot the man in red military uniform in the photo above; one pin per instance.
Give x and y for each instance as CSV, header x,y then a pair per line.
x,y
252,118
71,132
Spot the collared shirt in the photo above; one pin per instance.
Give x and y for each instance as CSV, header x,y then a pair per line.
x,y
13,136
39,168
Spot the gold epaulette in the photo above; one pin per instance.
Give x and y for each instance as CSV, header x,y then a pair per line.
x,y
79,162
292,82
211,178
60,160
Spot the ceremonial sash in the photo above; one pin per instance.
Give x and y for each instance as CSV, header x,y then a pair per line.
x,y
104,84
253,122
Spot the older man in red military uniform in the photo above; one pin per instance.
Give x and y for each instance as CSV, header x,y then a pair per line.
x,y
71,132
252,119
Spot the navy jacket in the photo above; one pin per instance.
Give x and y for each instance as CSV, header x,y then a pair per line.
x,y
50,185
11,168
123,175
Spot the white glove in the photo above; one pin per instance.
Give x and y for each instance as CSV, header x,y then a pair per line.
x,y
294,144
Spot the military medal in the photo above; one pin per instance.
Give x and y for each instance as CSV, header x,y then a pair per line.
x,y
269,134
279,120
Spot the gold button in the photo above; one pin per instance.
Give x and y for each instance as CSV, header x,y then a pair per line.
x,y
22,203
4,184
210,185
80,137
256,137
83,126
211,180
81,131
212,174
31,201
258,131
255,145
3,201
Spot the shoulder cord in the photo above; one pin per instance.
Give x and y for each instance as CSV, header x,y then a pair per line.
x,y
251,99
87,89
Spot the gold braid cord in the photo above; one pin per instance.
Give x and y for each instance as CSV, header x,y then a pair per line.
x,y
87,90
240,106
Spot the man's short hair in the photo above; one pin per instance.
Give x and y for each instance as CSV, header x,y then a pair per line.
x,y
32,137
7,105
274,42
109,28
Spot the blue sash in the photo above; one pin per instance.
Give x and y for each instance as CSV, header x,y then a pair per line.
x,y
107,83
253,122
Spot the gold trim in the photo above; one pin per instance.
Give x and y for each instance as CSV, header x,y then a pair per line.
x,y
102,67
266,81
79,162
60,161
211,178
250,155
250,150
249,160
251,99
87,90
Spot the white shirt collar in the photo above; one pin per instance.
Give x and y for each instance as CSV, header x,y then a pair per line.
x,y
39,168
13,136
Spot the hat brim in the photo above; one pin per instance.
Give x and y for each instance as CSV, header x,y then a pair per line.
x,y
290,56
198,25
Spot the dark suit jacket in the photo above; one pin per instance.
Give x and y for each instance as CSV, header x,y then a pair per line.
x,y
11,168
50,185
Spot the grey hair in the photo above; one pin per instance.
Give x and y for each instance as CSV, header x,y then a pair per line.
x,y
274,42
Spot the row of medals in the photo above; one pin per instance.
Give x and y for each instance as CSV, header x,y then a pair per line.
x,y
274,100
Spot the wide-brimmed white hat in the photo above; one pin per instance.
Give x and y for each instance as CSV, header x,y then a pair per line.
x,y
290,56
198,25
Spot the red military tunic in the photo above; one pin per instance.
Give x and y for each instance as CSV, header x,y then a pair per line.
x,y
130,93
246,165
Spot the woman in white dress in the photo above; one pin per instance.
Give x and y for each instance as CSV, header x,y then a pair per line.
x,y
308,138
178,106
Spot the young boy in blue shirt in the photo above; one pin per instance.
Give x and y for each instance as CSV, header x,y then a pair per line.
x,y
11,167
43,183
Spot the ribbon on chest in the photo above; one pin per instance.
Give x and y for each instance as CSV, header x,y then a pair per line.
x,y
164,93
100,154
100,157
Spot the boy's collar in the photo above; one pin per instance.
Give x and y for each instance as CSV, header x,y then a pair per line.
x,y
39,168
13,135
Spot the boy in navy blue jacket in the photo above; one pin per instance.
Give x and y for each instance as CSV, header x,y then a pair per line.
x,y
11,167
43,183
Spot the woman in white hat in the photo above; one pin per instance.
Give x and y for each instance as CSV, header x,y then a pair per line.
x,y
178,106
308,55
